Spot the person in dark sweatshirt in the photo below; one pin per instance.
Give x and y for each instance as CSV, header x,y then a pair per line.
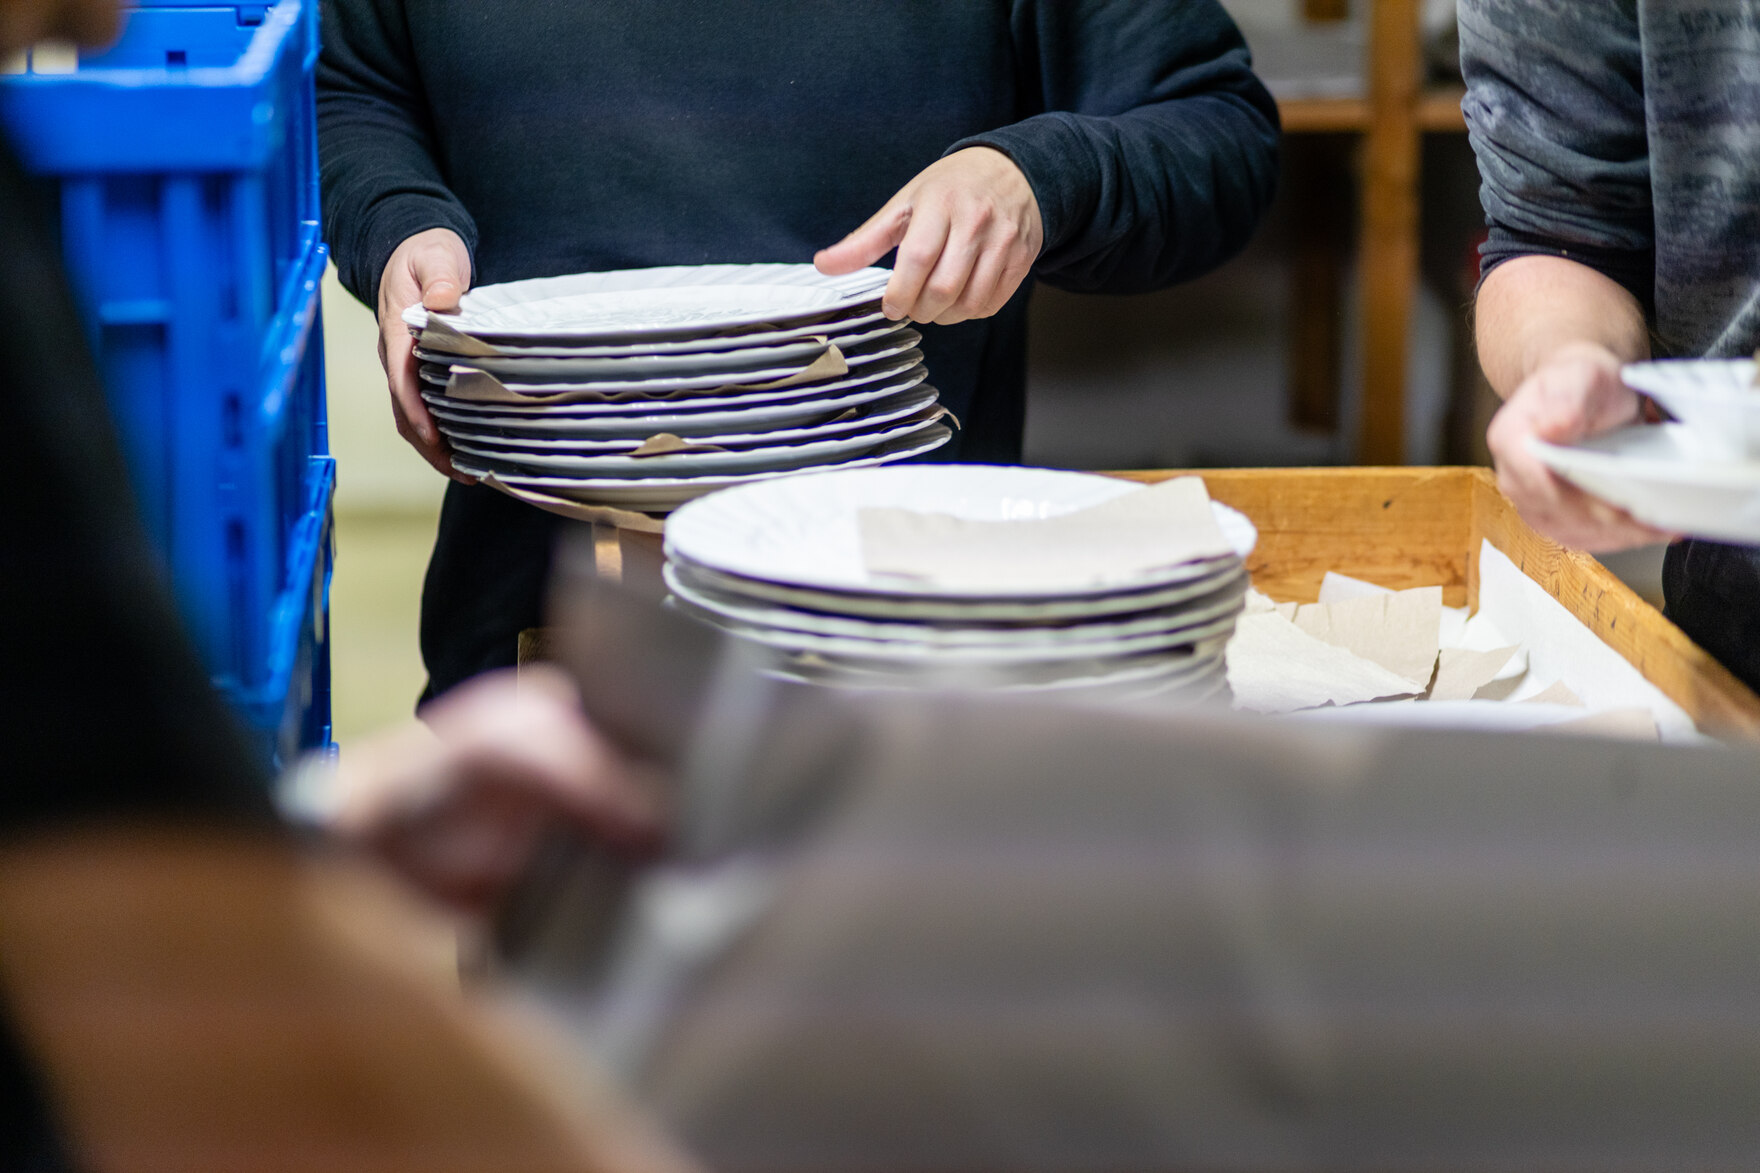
x,y
1617,142
1111,146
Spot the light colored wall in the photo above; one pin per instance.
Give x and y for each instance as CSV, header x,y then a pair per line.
x,y
376,471
1274,14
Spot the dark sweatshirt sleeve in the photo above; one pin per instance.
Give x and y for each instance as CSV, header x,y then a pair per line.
x,y
1156,156
1555,113
381,178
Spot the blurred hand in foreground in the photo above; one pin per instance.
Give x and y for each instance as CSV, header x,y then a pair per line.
x,y
459,801
89,23
967,230
434,269
1574,394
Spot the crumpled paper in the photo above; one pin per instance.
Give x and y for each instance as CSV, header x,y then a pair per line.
x,y
1276,667
1398,630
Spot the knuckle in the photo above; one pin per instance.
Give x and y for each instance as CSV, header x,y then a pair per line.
x,y
943,290
917,255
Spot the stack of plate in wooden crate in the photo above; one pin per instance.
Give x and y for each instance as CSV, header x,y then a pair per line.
x,y
791,567
642,389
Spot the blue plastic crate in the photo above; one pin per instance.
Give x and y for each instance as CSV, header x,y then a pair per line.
x,y
186,162
289,705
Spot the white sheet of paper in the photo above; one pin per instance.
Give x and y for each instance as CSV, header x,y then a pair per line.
x,y
1560,647
1397,630
1454,625
1492,716
1276,667
1257,603
1337,588
1115,542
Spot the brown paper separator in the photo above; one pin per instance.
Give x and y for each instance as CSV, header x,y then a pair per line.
x,y
629,519
667,444
437,335
471,385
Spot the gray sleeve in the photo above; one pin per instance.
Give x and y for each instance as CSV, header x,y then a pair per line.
x,y
1555,113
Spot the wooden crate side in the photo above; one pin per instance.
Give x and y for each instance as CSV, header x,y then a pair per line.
x,y
1399,527
1720,704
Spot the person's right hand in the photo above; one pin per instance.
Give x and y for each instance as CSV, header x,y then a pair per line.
x,y
459,801
1574,394
433,268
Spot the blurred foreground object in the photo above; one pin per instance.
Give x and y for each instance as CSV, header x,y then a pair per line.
x,y
928,932
207,1001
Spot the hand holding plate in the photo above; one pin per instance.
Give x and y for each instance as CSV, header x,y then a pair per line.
x,y
1574,394
967,230
433,268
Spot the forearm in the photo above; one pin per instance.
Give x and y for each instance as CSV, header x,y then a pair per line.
x,y
1148,198
381,187
1154,156
1532,308
382,182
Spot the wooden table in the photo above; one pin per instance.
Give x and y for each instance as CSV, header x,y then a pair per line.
x,y
1406,527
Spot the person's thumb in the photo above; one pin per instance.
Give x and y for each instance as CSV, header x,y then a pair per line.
x,y
867,244
441,277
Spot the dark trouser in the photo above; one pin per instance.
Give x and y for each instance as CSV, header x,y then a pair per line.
x,y
1713,594
485,583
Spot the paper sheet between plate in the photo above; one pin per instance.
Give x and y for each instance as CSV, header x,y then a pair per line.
x,y
469,385
1107,544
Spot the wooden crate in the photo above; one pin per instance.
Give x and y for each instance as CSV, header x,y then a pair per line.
x,y
1409,527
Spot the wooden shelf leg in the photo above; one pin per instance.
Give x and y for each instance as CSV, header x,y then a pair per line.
x,y
1389,245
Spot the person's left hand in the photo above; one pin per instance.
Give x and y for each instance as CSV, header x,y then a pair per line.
x,y
459,801
967,230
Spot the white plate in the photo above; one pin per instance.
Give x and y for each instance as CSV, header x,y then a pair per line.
x,y
1664,477
758,459
898,344
1143,670
1201,678
867,418
835,328
735,365
673,301
658,495
632,366
966,610
803,532
859,386
844,648
930,639
1715,397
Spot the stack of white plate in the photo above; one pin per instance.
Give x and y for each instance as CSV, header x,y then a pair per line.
x,y
780,565
744,372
